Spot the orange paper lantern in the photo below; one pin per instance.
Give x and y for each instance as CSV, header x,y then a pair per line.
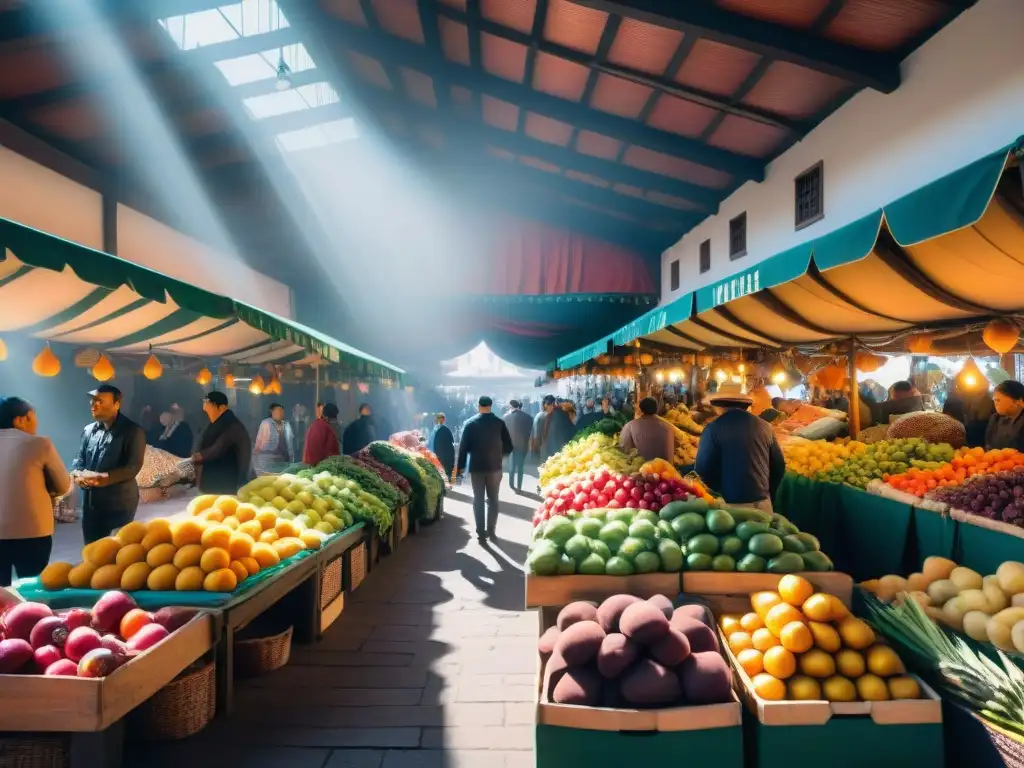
x,y
204,377
1001,335
152,369
103,370
256,385
919,343
46,363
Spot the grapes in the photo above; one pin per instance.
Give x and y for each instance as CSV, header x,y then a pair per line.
x,y
997,497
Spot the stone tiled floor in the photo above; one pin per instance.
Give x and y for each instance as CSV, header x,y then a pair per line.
x,y
431,665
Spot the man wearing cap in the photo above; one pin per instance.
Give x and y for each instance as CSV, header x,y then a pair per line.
x,y
485,442
111,455
738,454
519,426
223,449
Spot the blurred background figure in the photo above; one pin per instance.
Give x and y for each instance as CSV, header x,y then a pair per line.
x,y
442,443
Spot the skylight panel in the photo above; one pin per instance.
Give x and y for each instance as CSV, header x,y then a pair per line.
x,y
228,22
334,132
263,66
292,100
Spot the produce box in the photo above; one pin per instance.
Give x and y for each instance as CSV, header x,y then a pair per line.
x,y
559,590
736,588
77,704
689,737
794,734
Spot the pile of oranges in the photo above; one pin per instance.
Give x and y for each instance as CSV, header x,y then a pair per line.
x,y
803,645
967,463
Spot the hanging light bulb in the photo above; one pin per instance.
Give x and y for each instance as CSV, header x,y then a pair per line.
x,y
721,376
152,369
229,381
674,375
256,385
970,376
204,377
345,386
779,376
659,377
46,363
741,368
3,351
103,370
284,74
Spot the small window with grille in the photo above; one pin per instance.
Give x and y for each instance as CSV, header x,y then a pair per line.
x,y
738,237
810,196
673,278
705,256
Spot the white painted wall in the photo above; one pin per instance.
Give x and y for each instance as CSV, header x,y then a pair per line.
x,y
962,98
43,199
145,241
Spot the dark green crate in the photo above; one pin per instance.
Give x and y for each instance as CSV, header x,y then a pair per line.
x,y
560,747
842,742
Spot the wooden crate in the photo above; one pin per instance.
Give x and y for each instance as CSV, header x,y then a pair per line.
x,y
712,584
559,590
332,592
694,737
793,734
72,704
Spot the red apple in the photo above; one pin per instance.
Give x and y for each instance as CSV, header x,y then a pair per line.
x,y
644,504
655,507
664,487
628,484
602,500
632,504
636,493
621,495
613,504
648,497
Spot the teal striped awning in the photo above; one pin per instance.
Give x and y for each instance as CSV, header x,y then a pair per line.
x,y
62,292
950,252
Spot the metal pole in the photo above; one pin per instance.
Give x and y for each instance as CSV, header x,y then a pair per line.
x,y
851,373
317,386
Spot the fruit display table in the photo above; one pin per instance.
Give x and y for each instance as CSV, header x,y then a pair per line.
x,y
301,583
91,711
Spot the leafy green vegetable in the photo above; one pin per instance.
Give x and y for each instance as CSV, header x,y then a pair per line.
x,y
609,425
370,481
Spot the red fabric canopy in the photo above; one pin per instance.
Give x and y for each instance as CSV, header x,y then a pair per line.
x,y
529,258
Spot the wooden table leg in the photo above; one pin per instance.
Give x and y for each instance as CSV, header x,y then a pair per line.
x,y
226,671
98,749
307,605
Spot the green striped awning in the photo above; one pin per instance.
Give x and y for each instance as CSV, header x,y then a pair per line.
x,y
62,292
951,252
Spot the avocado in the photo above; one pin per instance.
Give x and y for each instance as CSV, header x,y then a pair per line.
x,y
787,562
816,561
695,504
723,563
566,566
688,525
618,566
765,544
702,544
730,545
719,521
811,543
671,556
699,562
672,510
665,530
592,565
747,514
646,562
643,529
747,530
752,564
792,544
781,523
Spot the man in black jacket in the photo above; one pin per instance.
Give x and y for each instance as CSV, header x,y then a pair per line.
x,y
111,455
223,449
485,441
360,433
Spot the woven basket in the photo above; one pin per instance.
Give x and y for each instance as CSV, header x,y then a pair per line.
x,y
356,566
260,655
1010,750
330,582
180,709
28,751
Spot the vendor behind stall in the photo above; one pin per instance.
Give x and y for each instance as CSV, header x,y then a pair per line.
x,y
1006,427
739,455
903,398
652,437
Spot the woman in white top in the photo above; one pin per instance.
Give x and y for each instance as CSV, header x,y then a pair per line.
x,y
31,474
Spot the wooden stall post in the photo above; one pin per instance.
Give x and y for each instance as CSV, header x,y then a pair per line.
x,y
851,374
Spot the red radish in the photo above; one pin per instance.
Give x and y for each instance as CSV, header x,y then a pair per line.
x,y
147,637
46,656
98,662
45,632
62,668
587,486
78,617
80,642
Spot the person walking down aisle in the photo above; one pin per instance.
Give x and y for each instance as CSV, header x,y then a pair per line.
x,y
738,455
552,429
31,473
322,439
442,443
176,437
360,433
650,436
485,442
111,455
275,442
223,450
519,426
1006,427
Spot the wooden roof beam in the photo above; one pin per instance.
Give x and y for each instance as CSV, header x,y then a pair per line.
x,y
861,67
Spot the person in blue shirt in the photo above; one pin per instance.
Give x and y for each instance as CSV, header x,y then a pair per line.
x,y
738,455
